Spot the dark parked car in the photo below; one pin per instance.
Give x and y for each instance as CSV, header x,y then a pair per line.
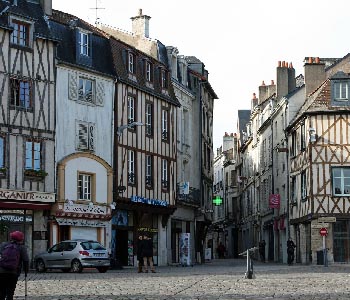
x,y
74,255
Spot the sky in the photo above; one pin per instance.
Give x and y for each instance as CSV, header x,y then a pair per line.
x,y
239,41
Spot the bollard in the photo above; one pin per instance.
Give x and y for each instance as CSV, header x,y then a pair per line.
x,y
249,273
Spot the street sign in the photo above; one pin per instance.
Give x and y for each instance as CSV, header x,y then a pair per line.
x,y
327,220
323,231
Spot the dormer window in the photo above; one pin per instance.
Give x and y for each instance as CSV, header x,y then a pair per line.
x,y
164,78
341,90
131,63
20,34
84,43
149,71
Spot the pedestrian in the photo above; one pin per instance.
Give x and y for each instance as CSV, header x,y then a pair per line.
x,y
14,256
262,245
139,253
290,251
221,250
147,254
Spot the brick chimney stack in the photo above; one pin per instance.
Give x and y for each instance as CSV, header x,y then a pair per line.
x,y
315,74
47,6
285,79
140,24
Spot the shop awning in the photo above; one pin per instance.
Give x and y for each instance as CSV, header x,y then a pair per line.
x,y
24,205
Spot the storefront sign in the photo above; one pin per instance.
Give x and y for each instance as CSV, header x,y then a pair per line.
x,y
327,219
85,209
157,202
27,196
81,222
16,218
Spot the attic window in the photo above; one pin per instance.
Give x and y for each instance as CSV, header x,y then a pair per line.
x,y
20,34
84,43
341,90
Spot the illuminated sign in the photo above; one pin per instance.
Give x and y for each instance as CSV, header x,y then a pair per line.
x,y
157,202
217,201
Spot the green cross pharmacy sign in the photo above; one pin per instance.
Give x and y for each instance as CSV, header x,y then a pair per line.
x,y
217,201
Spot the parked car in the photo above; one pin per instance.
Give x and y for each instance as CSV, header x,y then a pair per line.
x,y
74,255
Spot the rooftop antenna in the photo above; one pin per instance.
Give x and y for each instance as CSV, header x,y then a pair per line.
x,y
96,8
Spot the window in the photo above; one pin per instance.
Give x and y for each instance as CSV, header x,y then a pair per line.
x,y
341,90
20,93
164,125
131,167
33,156
341,181
294,143
84,186
85,136
164,78
293,190
302,137
149,173
131,63
165,183
149,113
131,109
303,186
86,90
2,152
20,33
84,43
149,71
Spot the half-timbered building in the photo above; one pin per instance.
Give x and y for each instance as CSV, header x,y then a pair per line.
x,y
27,121
84,131
319,142
144,151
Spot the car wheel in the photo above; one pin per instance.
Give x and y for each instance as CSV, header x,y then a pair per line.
x,y
76,266
102,269
65,270
40,266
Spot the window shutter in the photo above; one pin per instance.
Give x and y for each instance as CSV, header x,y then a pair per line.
x,y
82,136
100,93
73,86
92,137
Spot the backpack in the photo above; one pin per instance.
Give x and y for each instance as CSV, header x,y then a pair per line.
x,y
10,256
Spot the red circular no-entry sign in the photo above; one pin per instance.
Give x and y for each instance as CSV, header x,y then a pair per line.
x,y
323,231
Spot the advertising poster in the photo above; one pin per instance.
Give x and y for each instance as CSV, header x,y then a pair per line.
x,y
185,250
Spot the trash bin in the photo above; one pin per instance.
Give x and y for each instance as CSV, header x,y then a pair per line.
x,y
320,260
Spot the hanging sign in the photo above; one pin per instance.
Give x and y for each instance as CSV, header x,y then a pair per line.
x,y
275,201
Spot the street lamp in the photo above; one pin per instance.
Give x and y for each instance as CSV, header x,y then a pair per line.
x,y
130,126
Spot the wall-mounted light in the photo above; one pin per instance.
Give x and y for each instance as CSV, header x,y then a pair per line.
x,y
312,134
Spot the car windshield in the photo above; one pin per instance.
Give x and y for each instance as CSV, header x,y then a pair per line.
x,y
90,245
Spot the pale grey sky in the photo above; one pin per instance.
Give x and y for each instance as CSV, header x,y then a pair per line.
x,y
239,41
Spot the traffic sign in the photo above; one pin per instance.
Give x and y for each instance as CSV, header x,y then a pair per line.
x,y
323,231
327,220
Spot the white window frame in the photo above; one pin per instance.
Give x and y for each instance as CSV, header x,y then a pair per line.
x,y
149,68
344,181
131,62
164,78
131,167
33,156
149,117
165,124
83,96
131,109
85,186
149,173
342,89
85,136
84,48
165,183
303,185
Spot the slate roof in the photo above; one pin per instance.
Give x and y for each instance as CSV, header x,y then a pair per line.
x,y
27,10
242,121
119,50
64,26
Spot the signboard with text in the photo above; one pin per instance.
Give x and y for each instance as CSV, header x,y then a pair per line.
x,y
275,201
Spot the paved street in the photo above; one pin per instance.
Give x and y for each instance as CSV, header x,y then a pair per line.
x,y
220,279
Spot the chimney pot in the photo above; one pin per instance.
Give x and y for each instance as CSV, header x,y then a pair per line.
x,y
317,60
254,96
310,60
272,82
279,64
263,83
290,65
140,11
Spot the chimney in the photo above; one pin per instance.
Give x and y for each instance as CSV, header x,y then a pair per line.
x,y
285,79
46,6
314,74
262,93
254,102
140,25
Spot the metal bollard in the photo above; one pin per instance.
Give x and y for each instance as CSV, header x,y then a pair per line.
x,y
249,273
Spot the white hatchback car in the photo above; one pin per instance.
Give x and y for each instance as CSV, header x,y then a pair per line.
x,y
74,255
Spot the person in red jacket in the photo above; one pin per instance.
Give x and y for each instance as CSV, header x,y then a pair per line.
x,y
9,275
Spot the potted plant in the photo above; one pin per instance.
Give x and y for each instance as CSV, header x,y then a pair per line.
x,y
35,173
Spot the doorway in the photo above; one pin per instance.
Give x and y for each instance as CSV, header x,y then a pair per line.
x,y
121,247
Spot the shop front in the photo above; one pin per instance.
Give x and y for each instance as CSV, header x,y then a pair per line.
x,y
139,216
26,211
